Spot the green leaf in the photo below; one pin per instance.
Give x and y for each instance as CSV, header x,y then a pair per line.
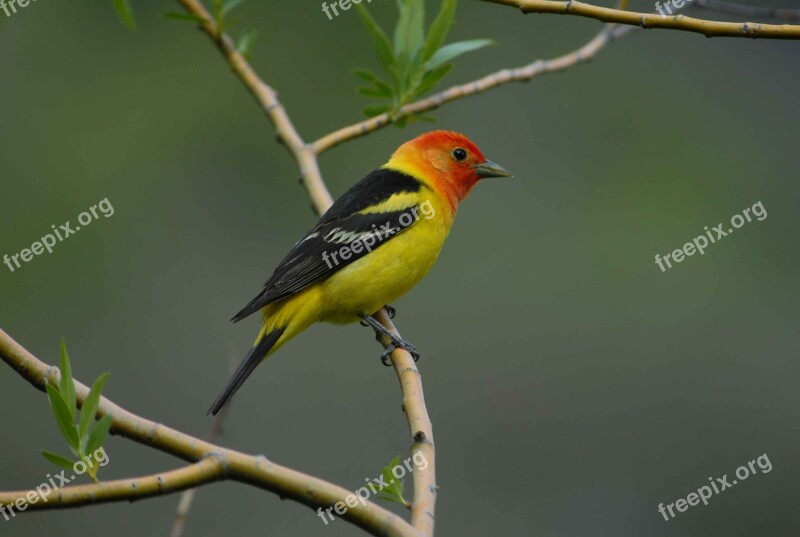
x,y
58,460
229,6
415,73
453,50
440,28
379,88
382,46
62,416
98,434
67,387
394,491
89,408
188,17
378,93
432,78
245,42
410,30
366,74
218,18
377,109
380,84
125,13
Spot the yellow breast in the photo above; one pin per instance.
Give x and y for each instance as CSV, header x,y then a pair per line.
x,y
392,269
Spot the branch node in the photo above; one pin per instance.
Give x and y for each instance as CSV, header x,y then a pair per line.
x,y
52,375
221,459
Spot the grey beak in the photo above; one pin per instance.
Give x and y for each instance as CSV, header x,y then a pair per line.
x,y
490,169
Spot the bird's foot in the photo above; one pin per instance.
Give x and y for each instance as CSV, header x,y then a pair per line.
x,y
394,341
398,343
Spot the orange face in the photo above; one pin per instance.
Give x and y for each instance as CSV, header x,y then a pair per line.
x,y
450,161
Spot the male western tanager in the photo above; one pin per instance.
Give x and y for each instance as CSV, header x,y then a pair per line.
x,y
371,247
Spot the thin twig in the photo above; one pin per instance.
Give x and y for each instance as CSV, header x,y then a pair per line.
x,y
187,498
310,175
649,20
214,463
206,471
267,98
585,53
423,509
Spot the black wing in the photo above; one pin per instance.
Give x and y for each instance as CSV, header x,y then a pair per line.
x,y
318,255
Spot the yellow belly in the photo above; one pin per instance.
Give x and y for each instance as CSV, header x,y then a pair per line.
x,y
384,275
366,285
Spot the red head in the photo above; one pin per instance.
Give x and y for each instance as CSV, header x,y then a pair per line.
x,y
447,161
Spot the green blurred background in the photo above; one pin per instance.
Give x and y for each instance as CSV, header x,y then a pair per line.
x,y
573,386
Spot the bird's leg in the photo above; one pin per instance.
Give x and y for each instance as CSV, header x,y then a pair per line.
x,y
389,309
394,341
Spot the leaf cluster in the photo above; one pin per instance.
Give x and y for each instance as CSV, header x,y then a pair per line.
x,y
84,434
413,63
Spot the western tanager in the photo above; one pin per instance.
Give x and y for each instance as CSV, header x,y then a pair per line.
x,y
372,246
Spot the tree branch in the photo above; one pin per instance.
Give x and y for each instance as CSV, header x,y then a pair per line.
x,y
187,498
254,470
521,74
208,470
422,511
214,462
650,20
267,98
423,508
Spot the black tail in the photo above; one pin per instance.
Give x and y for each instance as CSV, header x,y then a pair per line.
x,y
244,370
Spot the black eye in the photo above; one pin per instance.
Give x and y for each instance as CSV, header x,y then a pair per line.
x,y
459,154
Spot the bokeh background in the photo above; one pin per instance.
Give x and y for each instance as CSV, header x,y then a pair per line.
x,y
573,386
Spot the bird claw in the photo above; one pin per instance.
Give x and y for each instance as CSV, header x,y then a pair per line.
x,y
386,355
394,341
394,344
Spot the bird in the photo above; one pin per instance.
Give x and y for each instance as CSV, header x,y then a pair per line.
x,y
374,244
